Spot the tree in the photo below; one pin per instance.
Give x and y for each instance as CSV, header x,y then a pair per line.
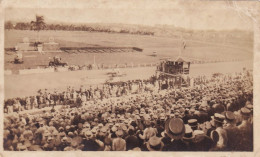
x,y
22,26
9,25
38,25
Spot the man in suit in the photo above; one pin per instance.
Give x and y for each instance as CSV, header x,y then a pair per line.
x,y
219,135
118,143
232,130
245,131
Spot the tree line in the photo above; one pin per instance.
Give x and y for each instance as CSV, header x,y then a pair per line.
x,y
66,27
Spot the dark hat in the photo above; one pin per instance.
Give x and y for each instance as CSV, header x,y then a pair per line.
x,y
230,116
175,128
245,111
154,144
218,108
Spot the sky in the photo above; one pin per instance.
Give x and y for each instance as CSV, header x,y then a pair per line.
x,y
190,14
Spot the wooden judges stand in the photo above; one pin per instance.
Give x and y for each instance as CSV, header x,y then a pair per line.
x,y
177,69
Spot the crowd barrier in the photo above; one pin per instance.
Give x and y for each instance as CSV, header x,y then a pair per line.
x,y
64,69
33,71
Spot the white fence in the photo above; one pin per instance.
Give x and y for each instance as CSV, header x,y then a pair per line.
x,y
64,69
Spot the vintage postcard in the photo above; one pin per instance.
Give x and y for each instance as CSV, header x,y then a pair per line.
x,y
123,78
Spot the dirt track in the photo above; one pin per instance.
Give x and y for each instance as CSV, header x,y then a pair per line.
x,y
27,85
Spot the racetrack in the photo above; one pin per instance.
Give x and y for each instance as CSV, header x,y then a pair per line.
x,y
213,49
28,85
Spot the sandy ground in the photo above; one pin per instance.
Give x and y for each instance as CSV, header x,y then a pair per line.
x,y
27,85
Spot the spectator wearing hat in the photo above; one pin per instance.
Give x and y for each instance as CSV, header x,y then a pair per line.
x,y
218,108
232,130
148,132
250,107
209,126
56,140
8,140
188,138
131,140
153,144
90,143
64,143
160,125
219,135
201,142
73,146
202,115
175,129
245,131
245,112
193,123
189,114
107,144
118,143
166,140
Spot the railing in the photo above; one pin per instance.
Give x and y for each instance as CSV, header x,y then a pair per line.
x,y
101,66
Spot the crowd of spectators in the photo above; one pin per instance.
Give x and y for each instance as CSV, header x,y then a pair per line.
x,y
214,114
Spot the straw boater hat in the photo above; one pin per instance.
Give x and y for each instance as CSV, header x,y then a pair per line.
x,y
193,123
198,132
250,107
218,118
154,144
245,112
175,128
230,116
188,133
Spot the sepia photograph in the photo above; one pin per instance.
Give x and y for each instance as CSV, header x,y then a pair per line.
x,y
172,75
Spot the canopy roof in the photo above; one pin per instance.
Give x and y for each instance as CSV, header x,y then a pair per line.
x,y
178,59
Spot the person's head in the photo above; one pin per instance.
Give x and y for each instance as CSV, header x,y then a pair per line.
x,y
188,136
175,128
245,112
155,144
230,117
148,124
193,123
88,135
131,132
103,132
218,120
41,124
119,133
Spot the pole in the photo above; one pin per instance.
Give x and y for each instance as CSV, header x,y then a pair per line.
x,y
94,59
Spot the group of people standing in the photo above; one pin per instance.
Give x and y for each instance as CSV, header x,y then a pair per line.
x,y
214,115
